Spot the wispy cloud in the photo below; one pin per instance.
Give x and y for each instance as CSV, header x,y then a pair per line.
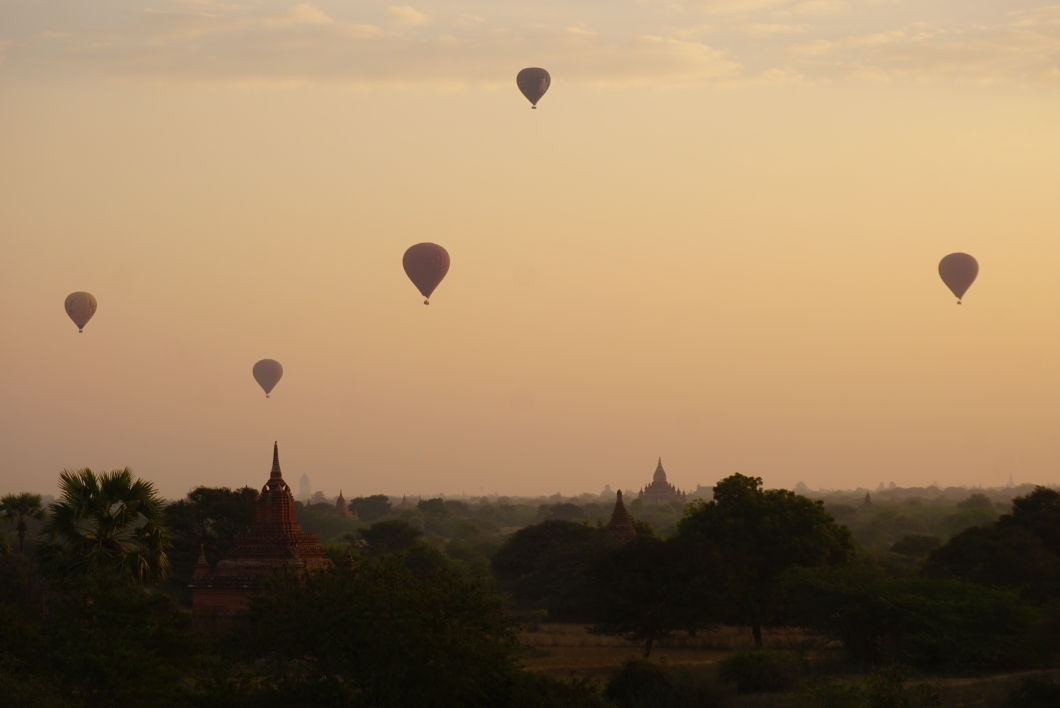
x,y
644,42
405,15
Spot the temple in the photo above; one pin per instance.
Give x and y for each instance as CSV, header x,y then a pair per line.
x,y
660,491
343,509
274,543
621,525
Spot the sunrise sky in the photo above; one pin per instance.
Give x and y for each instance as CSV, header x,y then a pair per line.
x,y
715,241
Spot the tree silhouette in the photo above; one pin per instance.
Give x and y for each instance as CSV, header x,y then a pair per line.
x,y
107,522
20,508
768,531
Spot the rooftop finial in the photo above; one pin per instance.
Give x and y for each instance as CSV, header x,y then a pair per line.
x,y
275,462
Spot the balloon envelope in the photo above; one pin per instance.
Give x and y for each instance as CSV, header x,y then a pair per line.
x,y
267,373
425,265
958,271
80,307
533,83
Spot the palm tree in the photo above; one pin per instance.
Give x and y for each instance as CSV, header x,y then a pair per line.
x,y
107,522
18,509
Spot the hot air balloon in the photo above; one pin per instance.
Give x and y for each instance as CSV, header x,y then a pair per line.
x,y
267,373
533,83
958,271
426,264
80,307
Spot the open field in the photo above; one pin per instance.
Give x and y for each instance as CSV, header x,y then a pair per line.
x,y
564,650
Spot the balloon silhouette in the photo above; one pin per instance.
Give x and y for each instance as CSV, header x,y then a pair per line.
x,y
533,83
80,307
268,373
958,271
425,265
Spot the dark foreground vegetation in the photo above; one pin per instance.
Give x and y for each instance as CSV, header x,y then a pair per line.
x,y
94,605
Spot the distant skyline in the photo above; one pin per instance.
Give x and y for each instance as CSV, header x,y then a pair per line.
x,y
716,240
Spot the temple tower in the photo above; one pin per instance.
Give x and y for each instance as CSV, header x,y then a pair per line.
x,y
660,491
621,525
274,543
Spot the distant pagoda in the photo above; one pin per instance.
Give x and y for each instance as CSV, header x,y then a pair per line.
x,y
343,509
660,491
621,525
274,543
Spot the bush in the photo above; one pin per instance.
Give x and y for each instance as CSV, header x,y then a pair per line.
x,y
533,690
884,688
1035,693
639,683
756,670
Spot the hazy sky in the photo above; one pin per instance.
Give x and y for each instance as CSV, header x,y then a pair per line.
x,y
715,241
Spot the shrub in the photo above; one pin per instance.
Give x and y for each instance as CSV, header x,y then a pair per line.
x,y
756,670
1035,693
884,688
639,683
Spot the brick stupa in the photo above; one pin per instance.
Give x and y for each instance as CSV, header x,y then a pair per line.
x,y
274,543
621,526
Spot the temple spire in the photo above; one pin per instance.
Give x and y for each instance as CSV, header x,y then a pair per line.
x,y
621,526
202,567
275,462
660,473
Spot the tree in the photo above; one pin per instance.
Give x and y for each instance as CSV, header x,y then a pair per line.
x,y
916,546
1021,550
1001,556
765,532
1039,513
381,637
209,518
116,644
976,501
930,624
371,508
390,537
433,507
20,508
646,589
106,522
548,566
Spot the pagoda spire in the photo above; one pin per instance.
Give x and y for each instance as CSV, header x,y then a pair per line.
x,y
621,525
275,462
202,567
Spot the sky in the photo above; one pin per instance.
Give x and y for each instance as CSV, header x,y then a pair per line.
x,y
716,241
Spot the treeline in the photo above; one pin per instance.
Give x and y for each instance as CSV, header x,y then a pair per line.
x,y
96,614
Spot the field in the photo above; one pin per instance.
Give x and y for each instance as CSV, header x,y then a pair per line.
x,y
565,650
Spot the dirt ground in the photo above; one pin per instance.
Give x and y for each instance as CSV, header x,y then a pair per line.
x,y
563,650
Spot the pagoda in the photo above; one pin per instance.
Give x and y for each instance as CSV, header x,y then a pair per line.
x,y
343,509
274,543
660,491
621,525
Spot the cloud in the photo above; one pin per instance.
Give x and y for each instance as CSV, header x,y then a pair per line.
x,y
772,30
405,15
811,49
304,46
648,42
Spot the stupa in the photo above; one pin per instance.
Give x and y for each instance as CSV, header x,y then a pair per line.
x,y
621,525
274,543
